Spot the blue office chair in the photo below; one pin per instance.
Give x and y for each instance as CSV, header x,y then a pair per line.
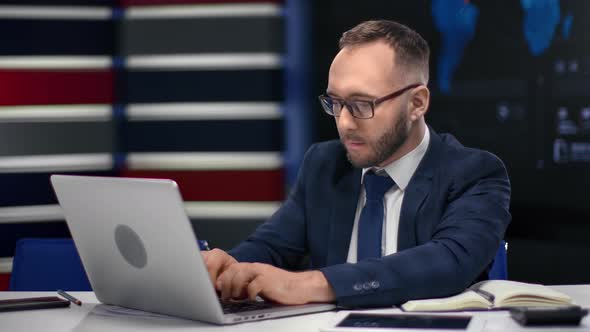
x,y
51,264
47,265
499,269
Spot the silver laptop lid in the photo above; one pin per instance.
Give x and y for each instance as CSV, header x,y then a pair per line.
x,y
137,245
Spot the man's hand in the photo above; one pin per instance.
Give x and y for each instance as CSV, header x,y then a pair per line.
x,y
274,284
217,261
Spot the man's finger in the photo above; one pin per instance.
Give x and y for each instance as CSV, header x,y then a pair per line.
x,y
241,280
213,264
216,262
225,281
222,285
255,288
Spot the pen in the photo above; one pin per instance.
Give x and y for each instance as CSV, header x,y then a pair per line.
x,y
204,245
486,295
69,297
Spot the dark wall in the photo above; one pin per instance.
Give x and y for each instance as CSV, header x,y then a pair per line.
x,y
506,96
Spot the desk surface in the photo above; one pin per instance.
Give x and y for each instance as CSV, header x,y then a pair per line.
x,y
92,316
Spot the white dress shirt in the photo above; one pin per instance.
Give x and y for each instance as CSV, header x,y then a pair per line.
x,y
401,172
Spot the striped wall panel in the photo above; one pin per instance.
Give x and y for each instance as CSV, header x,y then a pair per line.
x,y
86,92
56,110
206,95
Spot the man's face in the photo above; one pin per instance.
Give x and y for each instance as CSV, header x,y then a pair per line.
x,y
367,72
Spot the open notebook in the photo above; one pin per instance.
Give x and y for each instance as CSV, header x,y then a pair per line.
x,y
494,294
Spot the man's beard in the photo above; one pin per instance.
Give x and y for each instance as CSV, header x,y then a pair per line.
x,y
385,146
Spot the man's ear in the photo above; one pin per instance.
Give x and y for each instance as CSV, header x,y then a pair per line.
x,y
419,101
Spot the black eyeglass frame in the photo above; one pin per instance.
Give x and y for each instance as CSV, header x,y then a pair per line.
x,y
352,106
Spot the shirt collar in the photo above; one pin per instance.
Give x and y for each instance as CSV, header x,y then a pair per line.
x,y
401,170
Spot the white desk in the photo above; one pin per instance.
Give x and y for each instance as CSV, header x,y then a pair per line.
x,y
88,318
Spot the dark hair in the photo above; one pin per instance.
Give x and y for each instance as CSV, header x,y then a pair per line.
x,y
411,50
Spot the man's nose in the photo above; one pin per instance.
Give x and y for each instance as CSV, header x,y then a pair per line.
x,y
346,120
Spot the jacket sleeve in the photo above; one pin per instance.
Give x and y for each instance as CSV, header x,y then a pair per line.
x,y
281,240
463,243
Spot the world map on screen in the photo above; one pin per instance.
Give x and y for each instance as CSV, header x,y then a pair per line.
x,y
456,21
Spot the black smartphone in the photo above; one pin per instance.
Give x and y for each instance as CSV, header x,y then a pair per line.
x,y
406,321
32,303
527,316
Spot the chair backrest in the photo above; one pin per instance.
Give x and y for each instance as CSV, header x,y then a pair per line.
x,y
47,265
499,270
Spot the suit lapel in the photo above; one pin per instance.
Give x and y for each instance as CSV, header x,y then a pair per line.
x,y
416,193
343,211
414,197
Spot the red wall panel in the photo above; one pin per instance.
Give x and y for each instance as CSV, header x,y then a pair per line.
x,y
127,3
38,87
4,281
253,185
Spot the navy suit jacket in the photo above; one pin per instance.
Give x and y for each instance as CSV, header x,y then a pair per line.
x,y
453,216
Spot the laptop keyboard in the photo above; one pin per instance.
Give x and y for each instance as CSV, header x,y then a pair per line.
x,y
242,306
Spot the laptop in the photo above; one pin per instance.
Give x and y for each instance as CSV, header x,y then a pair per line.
x,y
139,251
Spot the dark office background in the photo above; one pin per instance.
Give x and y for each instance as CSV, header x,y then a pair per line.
x,y
147,96
520,88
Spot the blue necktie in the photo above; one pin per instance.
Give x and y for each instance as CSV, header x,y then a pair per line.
x,y
370,225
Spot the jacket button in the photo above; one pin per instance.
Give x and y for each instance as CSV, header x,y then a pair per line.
x,y
357,287
375,284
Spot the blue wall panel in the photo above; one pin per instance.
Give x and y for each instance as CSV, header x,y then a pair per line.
x,y
26,189
209,136
57,37
205,85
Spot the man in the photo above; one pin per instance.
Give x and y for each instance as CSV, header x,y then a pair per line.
x,y
391,212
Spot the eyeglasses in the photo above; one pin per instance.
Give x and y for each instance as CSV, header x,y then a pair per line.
x,y
360,109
